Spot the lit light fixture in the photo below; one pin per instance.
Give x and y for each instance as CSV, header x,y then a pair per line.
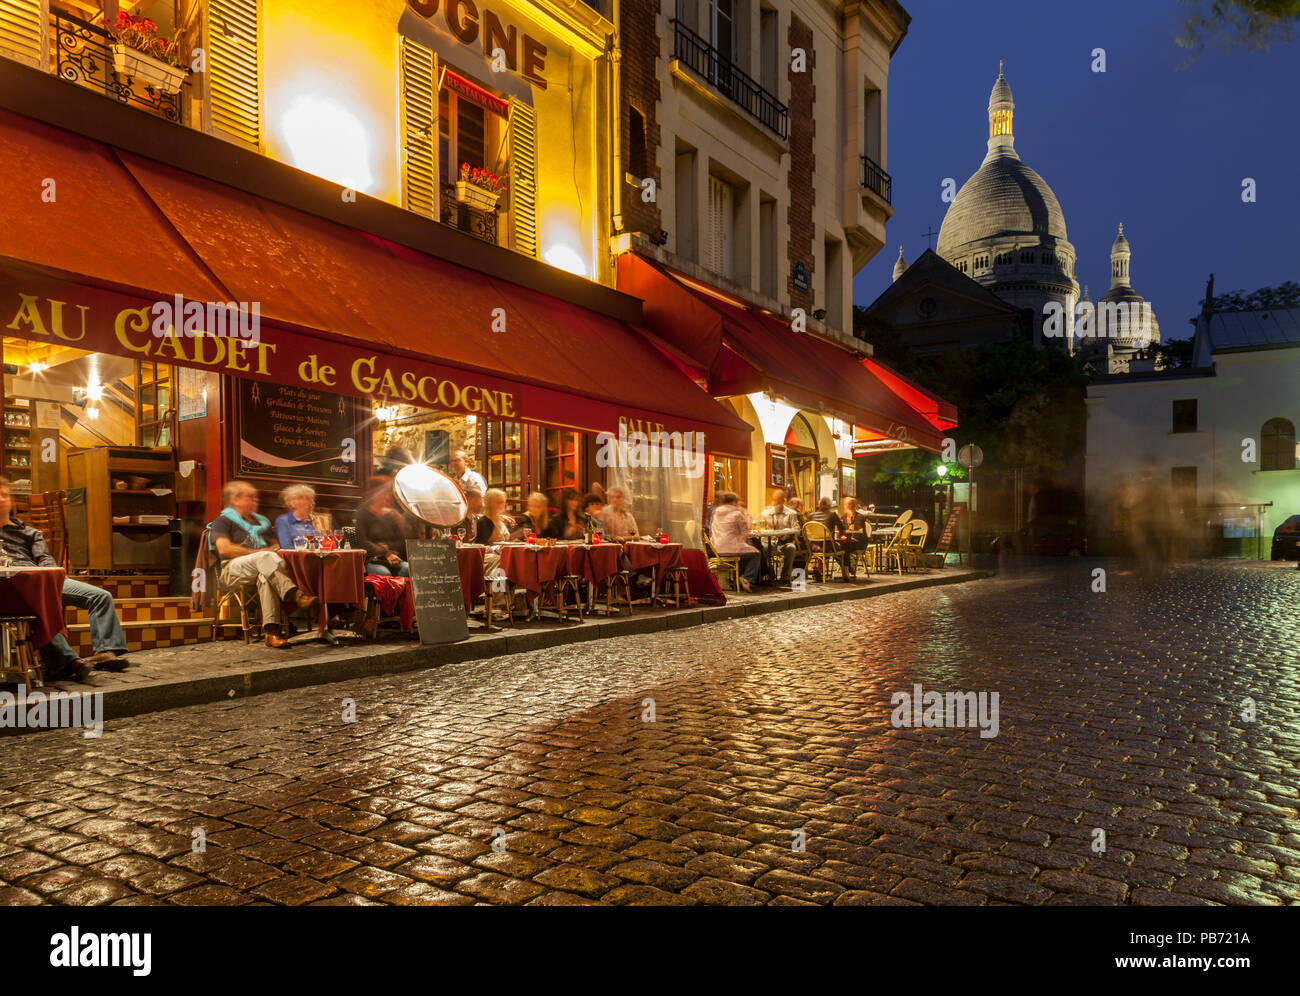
x,y
819,314
385,413
92,413
38,367
327,139
564,257
94,391
941,470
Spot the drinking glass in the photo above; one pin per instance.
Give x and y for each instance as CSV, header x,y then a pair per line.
x,y
300,543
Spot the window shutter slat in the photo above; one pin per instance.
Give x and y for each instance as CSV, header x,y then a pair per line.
x,y
234,91
23,31
523,178
420,183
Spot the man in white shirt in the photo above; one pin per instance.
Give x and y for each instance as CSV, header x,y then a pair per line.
x,y
779,515
465,477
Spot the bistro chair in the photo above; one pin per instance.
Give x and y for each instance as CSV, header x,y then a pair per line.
x,y
555,596
492,596
610,587
723,567
823,550
896,549
241,598
903,516
916,542
866,554
18,658
675,586
46,512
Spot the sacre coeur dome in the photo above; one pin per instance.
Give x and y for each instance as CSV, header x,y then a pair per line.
x,y
1004,198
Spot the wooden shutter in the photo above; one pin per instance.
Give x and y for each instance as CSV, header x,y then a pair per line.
x,y
718,247
233,86
420,182
24,27
523,178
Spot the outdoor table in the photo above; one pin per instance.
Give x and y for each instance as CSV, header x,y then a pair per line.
x,y
331,575
469,560
766,538
36,591
394,596
529,566
654,557
593,562
704,586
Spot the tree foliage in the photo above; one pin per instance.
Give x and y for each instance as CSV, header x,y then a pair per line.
x,y
1254,24
1285,295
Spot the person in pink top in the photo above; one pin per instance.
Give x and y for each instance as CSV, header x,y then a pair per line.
x,y
729,532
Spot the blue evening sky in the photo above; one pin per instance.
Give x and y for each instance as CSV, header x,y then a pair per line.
x,y
1161,149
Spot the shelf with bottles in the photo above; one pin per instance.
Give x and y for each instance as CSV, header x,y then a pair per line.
x,y
17,418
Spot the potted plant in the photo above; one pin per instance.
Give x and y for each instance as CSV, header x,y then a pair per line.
x,y
140,53
479,188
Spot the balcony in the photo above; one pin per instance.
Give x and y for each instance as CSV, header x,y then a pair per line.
x,y
83,55
706,62
480,224
877,180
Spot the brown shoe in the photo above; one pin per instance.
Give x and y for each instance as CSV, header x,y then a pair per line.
x,y
107,660
81,671
305,602
274,639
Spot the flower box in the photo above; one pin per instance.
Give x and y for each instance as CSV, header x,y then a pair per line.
x,y
146,69
475,196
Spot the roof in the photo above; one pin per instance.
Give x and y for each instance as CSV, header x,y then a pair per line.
x,y
1266,328
932,269
1004,198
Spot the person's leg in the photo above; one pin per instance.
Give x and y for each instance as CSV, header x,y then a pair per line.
x,y
750,564
788,551
380,569
404,570
105,628
266,569
58,660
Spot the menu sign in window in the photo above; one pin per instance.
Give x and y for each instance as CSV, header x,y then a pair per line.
x,y
297,434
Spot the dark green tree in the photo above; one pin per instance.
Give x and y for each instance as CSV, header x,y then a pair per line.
x,y
1255,24
1284,295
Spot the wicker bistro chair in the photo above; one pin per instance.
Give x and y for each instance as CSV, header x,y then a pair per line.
x,y
555,596
723,567
504,592
915,548
824,551
46,511
18,657
609,589
237,606
864,555
896,549
675,586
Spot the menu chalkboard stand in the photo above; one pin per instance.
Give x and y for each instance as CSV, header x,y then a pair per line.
x,y
435,587
949,528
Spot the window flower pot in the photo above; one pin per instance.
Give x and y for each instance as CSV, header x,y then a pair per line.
x,y
475,196
156,73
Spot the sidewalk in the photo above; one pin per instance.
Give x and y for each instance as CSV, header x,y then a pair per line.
x,y
172,677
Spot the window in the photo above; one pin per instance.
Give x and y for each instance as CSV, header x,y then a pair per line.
x,y
155,406
1277,445
637,159
722,30
1185,415
833,300
720,229
1183,481
872,126
767,44
503,467
560,451
688,226
767,246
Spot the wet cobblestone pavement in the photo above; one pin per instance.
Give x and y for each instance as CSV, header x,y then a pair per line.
x,y
537,778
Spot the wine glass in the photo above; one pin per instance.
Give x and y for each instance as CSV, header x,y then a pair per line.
x,y
337,533
300,543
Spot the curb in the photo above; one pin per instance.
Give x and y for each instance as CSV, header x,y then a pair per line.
x,y
343,664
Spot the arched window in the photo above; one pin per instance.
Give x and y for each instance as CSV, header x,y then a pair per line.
x,y
1277,445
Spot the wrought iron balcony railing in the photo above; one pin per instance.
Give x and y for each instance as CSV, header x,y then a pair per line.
x,y
83,54
733,83
482,224
877,180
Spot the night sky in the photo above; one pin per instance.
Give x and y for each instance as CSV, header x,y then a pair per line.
x,y
1162,150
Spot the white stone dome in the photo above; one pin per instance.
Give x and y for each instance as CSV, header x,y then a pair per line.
x,y
1005,199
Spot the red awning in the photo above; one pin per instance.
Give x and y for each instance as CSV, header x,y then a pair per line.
x,y
758,352
122,232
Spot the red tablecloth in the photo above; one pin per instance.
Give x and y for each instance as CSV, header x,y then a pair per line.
x,y
660,556
469,560
529,567
595,562
704,586
334,577
36,591
394,595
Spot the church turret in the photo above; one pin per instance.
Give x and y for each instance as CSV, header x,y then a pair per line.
x,y
1119,259
900,267
1001,108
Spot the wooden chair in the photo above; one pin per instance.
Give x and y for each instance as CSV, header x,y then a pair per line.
x,y
915,548
491,596
242,598
555,596
607,587
46,511
864,555
675,586
896,549
823,550
723,567
18,658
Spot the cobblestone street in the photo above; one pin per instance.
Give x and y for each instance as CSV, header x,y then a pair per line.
x,y
769,774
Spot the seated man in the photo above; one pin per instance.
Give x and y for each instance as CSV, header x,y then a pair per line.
x,y
246,544
779,515
25,547
593,505
478,527
617,520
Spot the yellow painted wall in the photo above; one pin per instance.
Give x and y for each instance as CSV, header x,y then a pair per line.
x,y
331,79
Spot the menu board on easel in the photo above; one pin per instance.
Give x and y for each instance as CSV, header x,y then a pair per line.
x,y
435,588
297,434
950,528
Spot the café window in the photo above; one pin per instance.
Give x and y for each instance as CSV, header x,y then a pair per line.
x,y
728,475
1185,415
560,454
155,404
503,459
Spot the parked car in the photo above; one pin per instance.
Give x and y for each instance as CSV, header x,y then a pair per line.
x,y
1047,538
1286,540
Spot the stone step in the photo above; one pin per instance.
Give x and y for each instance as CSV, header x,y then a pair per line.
x,y
158,610
147,634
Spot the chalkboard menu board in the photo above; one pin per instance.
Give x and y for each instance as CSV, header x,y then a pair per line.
x,y
435,586
297,434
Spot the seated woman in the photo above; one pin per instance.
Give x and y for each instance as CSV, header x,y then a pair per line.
x,y
302,519
494,513
536,520
729,532
830,518
571,523
594,505
382,532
